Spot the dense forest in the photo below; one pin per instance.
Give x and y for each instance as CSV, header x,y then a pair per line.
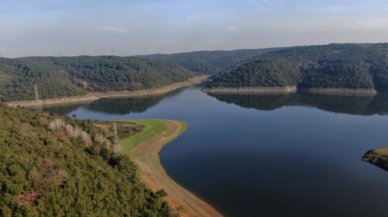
x,y
54,166
69,76
267,71
350,66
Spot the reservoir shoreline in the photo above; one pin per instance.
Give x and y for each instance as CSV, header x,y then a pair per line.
x,y
92,96
251,90
146,155
292,89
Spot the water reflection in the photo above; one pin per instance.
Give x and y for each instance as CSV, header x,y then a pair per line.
x,y
358,105
121,105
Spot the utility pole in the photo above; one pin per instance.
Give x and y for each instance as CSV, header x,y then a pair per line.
x,y
115,137
38,106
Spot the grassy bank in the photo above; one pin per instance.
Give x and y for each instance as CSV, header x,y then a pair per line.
x,y
151,128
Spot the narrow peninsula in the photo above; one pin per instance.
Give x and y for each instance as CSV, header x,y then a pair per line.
x,y
50,159
143,148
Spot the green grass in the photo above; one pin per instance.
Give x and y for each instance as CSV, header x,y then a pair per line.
x,y
151,128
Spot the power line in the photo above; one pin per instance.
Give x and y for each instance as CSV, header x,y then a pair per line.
x,y
38,105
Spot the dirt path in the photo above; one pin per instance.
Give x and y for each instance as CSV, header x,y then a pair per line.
x,y
146,156
92,96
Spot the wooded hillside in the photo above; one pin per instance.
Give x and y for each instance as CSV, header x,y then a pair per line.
x,y
69,76
54,166
351,66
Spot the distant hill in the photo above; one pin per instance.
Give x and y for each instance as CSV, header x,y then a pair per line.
x,y
334,66
209,62
69,76
55,166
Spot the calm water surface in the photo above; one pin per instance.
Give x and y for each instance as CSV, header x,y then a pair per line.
x,y
270,156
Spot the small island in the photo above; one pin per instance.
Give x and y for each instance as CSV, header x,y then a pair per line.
x,y
377,157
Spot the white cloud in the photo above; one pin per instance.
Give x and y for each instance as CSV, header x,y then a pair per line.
x,y
112,29
232,28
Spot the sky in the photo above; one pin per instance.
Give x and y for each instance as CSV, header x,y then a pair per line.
x,y
132,27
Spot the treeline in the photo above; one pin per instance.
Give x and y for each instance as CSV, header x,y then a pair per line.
x,y
69,76
265,71
52,166
328,66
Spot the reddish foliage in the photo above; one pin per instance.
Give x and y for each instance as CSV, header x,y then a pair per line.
x,y
28,197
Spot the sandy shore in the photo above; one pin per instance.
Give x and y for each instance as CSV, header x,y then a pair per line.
x,y
92,96
146,156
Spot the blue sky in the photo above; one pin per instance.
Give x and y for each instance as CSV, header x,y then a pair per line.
x,y
119,27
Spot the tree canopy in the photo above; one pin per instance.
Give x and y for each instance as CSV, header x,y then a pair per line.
x,y
69,76
328,66
54,166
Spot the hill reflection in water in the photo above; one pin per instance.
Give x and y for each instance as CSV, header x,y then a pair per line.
x,y
356,105
119,105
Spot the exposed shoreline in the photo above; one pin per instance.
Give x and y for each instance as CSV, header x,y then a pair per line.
x,y
146,156
341,91
92,96
251,90
291,89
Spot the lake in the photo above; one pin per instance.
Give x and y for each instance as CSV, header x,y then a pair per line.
x,y
270,155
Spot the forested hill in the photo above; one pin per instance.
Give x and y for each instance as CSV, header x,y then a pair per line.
x,y
352,66
209,62
54,166
69,76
